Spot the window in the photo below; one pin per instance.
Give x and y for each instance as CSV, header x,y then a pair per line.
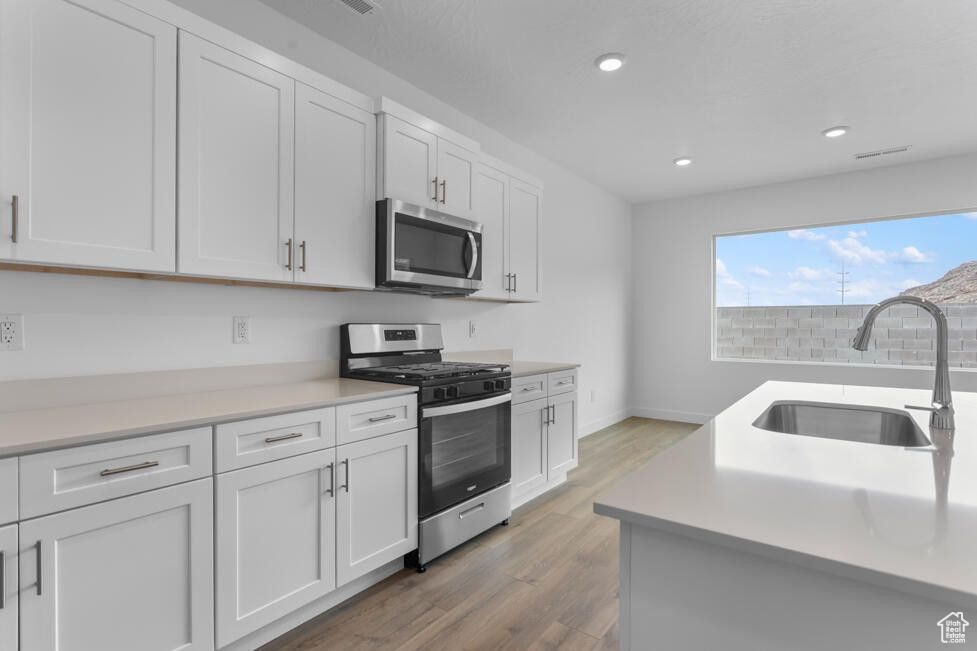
x,y
800,294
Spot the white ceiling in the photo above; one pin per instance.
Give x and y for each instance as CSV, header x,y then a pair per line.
x,y
743,87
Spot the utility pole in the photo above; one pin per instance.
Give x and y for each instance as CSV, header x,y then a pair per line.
x,y
843,282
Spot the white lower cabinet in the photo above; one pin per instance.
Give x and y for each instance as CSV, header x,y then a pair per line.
x,y
529,443
376,503
544,433
132,573
8,587
276,541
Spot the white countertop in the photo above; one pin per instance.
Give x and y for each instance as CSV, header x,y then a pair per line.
x,y
522,369
879,513
36,430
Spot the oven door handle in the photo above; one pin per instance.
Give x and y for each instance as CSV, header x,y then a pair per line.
x,y
431,412
474,263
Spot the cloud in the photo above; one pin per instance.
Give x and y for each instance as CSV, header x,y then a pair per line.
x,y
805,234
852,250
760,272
912,255
970,215
909,283
801,287
807,273
725,277
857,234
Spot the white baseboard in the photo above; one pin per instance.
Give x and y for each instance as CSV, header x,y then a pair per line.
x,y
669,414
596,425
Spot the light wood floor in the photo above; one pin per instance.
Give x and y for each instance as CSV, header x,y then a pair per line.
x,y
547,581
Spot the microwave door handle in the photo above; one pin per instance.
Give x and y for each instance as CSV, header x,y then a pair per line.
x,y
474,262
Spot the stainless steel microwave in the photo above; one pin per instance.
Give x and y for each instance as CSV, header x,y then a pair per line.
x,y
425,251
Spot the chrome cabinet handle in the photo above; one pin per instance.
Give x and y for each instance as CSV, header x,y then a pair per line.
x,y
435,197
345,462
138,466
444,191
332,479
284,437
377,419
515,283
3,580
562,382
525,389
37,552
15,217
553,417
302,249
474,245
508,282
288,265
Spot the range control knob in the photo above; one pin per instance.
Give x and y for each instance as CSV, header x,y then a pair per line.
x,y
452,392
499,385
490,385
440,394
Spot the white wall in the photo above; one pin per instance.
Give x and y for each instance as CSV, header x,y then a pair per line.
x,y
83,326
673,374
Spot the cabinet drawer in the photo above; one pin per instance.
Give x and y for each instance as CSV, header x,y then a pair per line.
x,y
562,382
65,479
8,491
249,442
364,420
531,387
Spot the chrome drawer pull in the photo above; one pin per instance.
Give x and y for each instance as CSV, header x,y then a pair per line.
x,y
377,419
3,580
139,466
284,437
562,382
477,507
332,479
525,389
37,552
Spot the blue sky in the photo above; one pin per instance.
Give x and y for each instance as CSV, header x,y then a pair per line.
x,y
801,267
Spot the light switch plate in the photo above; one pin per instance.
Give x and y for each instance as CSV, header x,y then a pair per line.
x,y
11,332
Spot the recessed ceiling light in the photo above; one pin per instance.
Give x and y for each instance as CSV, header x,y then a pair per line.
x,y
835,132
682,162
610,62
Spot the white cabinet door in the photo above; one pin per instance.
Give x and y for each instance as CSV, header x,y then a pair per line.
x,y
88,133
376,503
562,434
133,573
529,446
335,190
410,158
8,588
276,541
456,179
525,235
236,162
491,197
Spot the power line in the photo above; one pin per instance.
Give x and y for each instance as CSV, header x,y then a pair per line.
x,y
843,283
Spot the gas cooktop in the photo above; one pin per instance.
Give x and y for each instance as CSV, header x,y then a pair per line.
x,y
431,370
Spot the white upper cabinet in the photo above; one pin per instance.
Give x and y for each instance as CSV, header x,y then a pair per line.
x,y
525,239
456,179
491,201
410,162
335,190
236,179
87,135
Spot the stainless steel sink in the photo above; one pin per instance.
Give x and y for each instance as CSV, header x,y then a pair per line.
x,y
846,422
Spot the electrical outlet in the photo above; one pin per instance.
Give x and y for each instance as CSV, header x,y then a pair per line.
x,y
472,330
242,330
11,332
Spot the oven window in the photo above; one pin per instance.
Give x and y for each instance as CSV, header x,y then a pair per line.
x,y
425,247
463,455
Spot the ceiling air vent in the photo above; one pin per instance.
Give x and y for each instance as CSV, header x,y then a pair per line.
x,y
360,6
882,152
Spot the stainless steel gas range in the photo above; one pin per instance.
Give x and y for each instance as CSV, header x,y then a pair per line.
x,y
464,429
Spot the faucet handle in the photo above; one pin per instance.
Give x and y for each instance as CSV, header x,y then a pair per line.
x,y
935,408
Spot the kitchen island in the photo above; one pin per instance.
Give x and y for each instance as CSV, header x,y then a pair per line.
x,y
743,538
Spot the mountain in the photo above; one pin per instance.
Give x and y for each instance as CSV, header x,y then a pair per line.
x,y
957,286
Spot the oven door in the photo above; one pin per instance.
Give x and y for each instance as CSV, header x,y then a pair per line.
x,y
464,451
419,247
